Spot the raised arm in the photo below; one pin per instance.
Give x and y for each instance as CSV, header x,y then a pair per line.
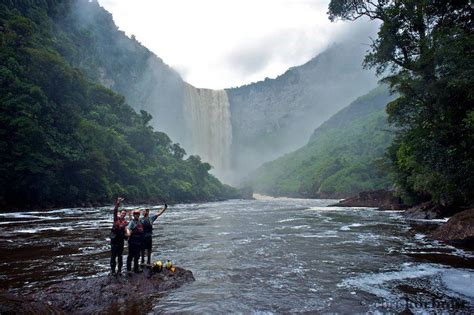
x,y
117,205
161,210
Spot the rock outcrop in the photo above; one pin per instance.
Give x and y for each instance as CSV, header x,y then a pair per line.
x,y
382,199
13,304
429,211
459,229
122,294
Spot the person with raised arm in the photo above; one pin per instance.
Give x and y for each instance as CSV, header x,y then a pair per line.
x,y
147,222
117,238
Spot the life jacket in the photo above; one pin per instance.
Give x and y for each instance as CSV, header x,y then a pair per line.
x,y
137,233
118,229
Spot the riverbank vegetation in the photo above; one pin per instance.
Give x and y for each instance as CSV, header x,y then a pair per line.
x,y
424,53
66,140
343,156
426,47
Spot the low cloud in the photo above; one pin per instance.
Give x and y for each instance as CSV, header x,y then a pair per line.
x,y
219,44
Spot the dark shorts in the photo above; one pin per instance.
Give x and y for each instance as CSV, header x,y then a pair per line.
x,y
119,241
147,242
116,247
134,249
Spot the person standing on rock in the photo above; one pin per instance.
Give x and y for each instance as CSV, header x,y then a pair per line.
x,y
134,232
147,222
117,238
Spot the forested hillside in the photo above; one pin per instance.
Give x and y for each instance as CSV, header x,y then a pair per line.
x,y
68,141
89,40
277,116
424,50
344,155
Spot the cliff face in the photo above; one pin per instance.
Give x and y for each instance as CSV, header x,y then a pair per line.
x,y
276,116
106,55
268,118
343,157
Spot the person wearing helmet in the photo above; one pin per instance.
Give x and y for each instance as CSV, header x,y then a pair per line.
x,y
117,238
134,232
147,222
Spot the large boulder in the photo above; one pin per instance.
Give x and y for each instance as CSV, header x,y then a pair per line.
x,y
382,199
459,229
105,294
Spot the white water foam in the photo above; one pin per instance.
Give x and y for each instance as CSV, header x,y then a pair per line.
x,y
17,215
299,227
459,281
431,220
375,283
33,214
31,231
323,208
288,220
348,227
325,234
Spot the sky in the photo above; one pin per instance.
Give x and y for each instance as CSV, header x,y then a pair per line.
x,y
227,43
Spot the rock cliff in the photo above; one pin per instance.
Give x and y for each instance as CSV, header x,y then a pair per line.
x,y
276,116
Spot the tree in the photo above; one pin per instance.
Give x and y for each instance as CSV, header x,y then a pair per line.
x,y
425,50
66,140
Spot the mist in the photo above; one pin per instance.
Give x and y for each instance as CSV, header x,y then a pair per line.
x,y
267,118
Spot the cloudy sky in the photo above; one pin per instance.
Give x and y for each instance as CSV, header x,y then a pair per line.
x,y
226,43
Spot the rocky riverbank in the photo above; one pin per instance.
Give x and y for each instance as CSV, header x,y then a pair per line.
x,y
382,199
429,211
97,295
459,230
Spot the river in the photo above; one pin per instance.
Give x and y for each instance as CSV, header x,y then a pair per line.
x,y
256,256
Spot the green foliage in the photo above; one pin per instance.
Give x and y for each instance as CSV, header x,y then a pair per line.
x,y
343,156
427,47
67,141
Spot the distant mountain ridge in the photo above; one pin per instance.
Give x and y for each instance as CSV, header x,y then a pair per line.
x,y
267,118
275,116
343,156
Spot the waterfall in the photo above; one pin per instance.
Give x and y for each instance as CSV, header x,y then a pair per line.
x,y
209,130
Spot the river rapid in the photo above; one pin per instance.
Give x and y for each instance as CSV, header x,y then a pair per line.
x,y
255,256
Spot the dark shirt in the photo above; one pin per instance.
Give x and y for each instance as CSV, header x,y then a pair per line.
x,y
118,229
148,224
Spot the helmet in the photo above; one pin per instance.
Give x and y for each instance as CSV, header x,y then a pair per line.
x,y
157,266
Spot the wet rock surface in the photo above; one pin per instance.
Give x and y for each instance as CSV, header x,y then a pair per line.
x,y
429,211
13,304
382,199
109,294
458,230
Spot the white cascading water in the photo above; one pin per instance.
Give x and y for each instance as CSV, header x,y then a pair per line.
x,y
209,129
